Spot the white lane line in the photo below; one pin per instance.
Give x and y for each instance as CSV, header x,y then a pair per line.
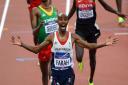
x,y
67,6
121,33
4,16
67,10
22,59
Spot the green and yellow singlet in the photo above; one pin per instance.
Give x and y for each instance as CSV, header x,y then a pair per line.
x,y
50,24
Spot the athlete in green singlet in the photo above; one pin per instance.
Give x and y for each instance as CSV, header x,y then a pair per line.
x,y
43,21
50,24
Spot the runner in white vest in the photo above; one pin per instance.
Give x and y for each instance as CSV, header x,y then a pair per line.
x,y
63,52
62,56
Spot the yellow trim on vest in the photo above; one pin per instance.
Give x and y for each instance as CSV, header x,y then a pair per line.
x,y
48,13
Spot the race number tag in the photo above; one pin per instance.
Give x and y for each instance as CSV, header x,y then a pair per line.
x,y
51,28
85,14
62,60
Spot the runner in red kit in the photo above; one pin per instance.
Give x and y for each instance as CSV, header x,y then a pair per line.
x,y
33,3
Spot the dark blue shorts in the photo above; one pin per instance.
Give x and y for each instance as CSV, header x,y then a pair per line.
x,y
63,77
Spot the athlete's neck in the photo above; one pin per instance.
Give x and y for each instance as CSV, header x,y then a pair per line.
x,y
62,33
46,5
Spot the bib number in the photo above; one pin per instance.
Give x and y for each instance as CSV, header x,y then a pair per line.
x,y
85,14
62,60
51,28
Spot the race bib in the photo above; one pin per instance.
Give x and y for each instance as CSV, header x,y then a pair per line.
x,y
85,14
62,60
51,28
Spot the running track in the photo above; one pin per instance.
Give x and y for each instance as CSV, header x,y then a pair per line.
x,y
112,64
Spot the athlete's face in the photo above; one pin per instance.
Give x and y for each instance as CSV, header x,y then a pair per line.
x,y
62,21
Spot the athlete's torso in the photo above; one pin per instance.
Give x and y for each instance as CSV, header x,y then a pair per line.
x,y
86,11
62,53
50,24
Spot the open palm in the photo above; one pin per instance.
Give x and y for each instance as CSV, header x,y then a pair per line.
x,y
110,41
16,40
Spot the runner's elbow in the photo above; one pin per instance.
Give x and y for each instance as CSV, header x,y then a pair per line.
x,y
36,50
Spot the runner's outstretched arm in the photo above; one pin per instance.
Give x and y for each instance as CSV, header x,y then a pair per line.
x,y
85,44
35,49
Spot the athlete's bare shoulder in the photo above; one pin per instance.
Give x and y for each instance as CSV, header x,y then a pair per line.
x,y
35,10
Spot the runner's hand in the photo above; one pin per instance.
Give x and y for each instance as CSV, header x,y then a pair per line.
x,y
110,40
41,23
16,41
36,30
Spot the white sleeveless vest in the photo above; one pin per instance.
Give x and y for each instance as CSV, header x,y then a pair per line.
x,y
63,54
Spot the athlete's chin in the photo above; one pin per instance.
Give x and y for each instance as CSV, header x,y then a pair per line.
x,y
63,31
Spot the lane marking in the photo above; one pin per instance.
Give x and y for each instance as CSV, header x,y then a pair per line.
x,y
4,16
114,29
21,59
121,33
67,10
67,6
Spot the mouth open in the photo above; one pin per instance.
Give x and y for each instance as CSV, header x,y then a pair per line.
x,y
63,27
